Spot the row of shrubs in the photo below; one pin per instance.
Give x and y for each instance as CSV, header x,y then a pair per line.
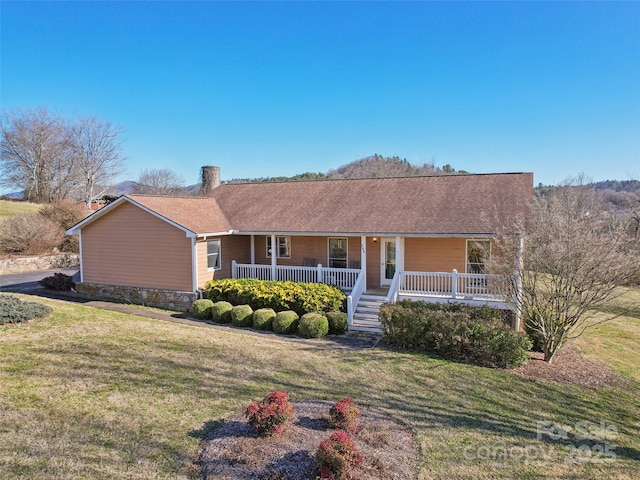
x,y
457,331
337,455
309,325
297,296
14,310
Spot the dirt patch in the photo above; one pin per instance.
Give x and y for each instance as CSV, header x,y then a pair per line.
x,y
233,451
569,366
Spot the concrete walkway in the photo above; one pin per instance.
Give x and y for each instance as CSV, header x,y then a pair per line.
x,y
27,283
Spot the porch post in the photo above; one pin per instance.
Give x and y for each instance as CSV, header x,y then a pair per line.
x,y
454,283
253,249
518,282
363,261
274,258
320,278
400,254
234,269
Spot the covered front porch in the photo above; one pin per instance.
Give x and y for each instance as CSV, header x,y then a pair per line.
x,y
373,270
363,303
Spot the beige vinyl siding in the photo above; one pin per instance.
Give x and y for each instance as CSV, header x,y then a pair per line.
x,y
131,247
306,247
435,254
236,248
373,262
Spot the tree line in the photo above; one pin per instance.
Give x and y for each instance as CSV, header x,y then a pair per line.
x,y
51,159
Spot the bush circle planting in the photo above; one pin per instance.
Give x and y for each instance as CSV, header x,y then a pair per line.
x,y
270,415
338,322
337,456
344,415
221,312
263,318
285,322
313,325
59,282
242,316
471,334
202,309
297,296
14,310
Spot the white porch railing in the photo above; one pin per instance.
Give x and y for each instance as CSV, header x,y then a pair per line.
x,y
451,285
344,278
456,285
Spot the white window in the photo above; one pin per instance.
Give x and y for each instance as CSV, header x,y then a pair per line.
x,y
478,252
284,247
337,252
213,254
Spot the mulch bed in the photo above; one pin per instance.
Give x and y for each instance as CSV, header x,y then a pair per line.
x,y
569,366
233,451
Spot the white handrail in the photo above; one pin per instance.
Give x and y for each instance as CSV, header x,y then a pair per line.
x,y
354,297
392,294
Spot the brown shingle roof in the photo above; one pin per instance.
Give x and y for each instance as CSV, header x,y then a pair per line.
x,y
438,205
197,214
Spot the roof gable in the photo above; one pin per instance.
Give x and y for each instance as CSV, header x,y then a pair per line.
x,y
193,215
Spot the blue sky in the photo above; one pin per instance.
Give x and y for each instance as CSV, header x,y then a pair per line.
x,y
267,88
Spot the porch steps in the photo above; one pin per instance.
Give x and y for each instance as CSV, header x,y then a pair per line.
x,y
365,318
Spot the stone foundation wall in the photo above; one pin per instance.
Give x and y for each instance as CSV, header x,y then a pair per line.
x,y
151,297
45,262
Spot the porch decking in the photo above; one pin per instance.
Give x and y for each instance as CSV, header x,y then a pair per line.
x,y
363,304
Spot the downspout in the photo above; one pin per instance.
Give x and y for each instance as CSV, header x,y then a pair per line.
x,y
194,265
80,251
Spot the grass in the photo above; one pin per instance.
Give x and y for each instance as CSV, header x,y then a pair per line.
x,y
9,208
87,393
617,341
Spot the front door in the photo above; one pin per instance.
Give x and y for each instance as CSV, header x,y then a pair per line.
x,y
387,260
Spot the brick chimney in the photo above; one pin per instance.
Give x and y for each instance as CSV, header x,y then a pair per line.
x,y
210,178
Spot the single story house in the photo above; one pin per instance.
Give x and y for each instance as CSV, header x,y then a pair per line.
x,y
378,238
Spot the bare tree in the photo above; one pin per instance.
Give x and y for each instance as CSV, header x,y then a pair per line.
x,y
97,155
159,182
576,255
35,155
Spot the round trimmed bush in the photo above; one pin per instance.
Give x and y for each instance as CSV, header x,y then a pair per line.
x,y
313,325
338,322
221,312
242,316
285,322
263,318
202,309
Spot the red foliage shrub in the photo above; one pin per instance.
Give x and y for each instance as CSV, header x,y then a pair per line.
x,y
270,414
336,456
344,415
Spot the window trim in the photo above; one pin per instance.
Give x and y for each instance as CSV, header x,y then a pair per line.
x,y
482,265
218,254
287,244
346,252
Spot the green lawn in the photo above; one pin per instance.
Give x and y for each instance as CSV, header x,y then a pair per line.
x,y
9,208
88,393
